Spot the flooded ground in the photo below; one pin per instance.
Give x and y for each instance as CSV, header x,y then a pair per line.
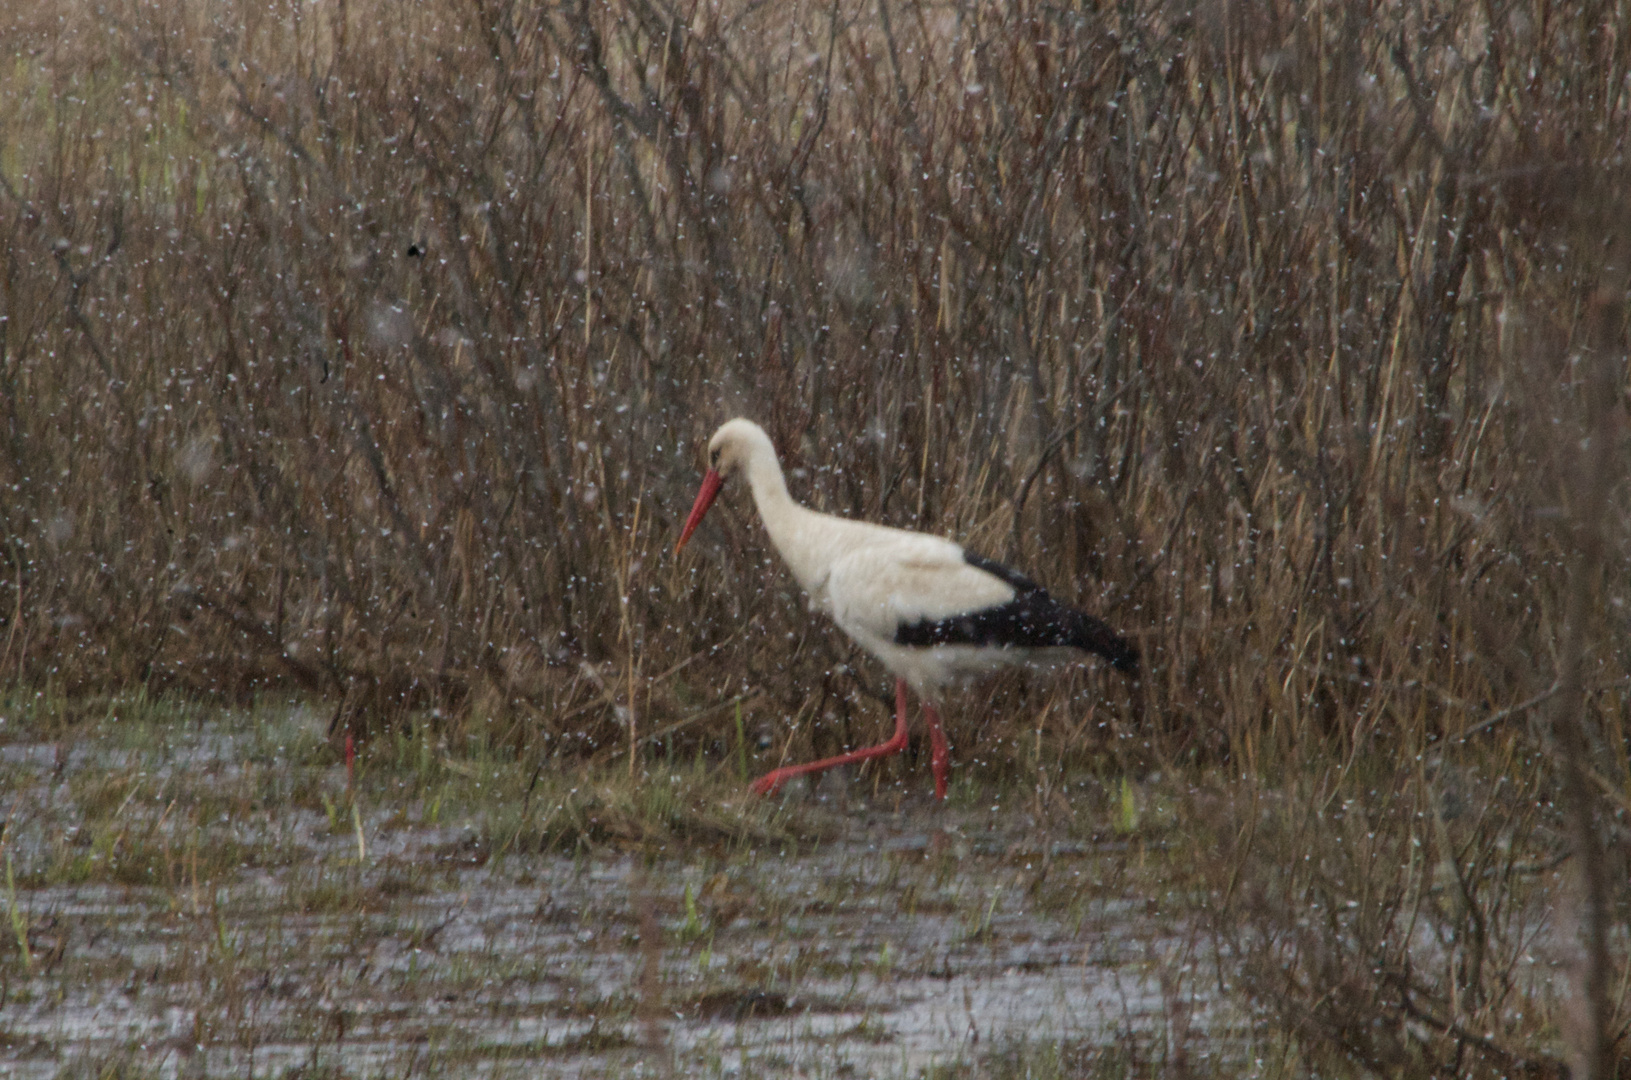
x,y
211,901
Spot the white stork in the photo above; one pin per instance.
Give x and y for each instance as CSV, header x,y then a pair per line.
x,y
932,612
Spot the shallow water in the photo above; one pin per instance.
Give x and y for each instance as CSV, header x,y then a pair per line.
x,y
905,939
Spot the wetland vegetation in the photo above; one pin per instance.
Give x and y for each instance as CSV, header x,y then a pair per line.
x,y
355,359
206,894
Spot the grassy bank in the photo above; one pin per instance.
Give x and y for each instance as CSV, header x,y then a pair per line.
x,y
551,916
212,892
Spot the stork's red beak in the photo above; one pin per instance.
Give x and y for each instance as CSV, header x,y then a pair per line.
x,y
705,498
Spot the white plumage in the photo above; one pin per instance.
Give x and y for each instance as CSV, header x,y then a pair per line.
x,y
932,612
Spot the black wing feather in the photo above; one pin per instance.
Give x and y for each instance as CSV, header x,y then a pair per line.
x,y
1031,620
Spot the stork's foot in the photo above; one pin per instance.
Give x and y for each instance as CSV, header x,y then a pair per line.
x,y
939,751
769,783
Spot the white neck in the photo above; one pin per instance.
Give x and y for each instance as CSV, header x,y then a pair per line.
x,y
804,537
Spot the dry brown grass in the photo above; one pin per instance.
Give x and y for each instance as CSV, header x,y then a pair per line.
x,y
367,348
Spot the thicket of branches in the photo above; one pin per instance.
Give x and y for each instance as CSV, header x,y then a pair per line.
x,y
368,349
375,345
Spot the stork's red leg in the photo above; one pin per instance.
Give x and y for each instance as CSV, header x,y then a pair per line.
x,y
939,752
771,781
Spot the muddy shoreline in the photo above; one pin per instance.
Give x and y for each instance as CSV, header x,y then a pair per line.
x,y
886,936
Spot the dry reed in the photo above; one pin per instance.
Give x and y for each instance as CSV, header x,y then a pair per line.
x,y
367,349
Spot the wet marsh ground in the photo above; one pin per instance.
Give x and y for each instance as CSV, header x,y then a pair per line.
x,y
365,352
207,895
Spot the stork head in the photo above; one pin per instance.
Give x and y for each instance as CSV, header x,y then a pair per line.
x,y
729,451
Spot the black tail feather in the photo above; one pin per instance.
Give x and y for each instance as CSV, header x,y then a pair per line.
x,y
1032,620
1095,636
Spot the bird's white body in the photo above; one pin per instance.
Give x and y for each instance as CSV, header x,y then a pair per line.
x,y
932,612
870,579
